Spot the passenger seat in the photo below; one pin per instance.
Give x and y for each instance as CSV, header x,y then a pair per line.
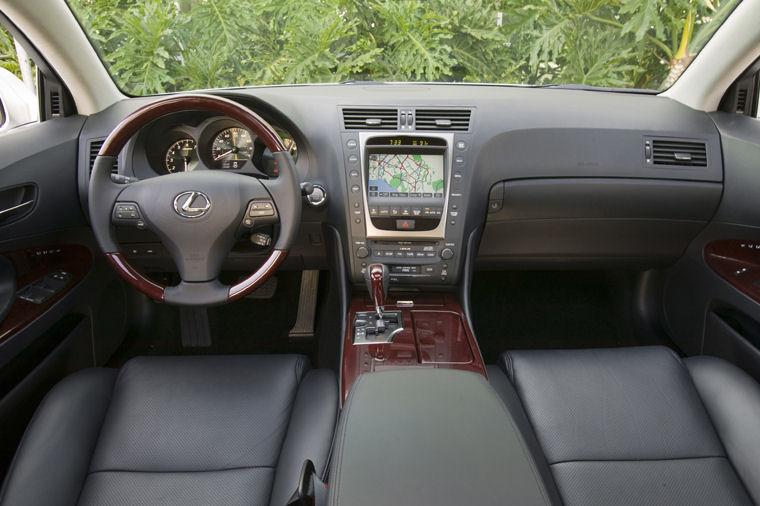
x,y
640,426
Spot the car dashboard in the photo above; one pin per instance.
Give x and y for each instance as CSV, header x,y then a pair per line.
x,y
433,180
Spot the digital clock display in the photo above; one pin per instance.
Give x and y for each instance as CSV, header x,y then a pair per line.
x,y
408,142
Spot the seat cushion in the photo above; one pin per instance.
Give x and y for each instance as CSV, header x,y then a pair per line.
x,y
623,426
189,430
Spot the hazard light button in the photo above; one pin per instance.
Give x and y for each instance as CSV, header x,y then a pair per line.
x,y
405,224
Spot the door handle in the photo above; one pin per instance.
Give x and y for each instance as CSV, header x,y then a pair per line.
x,y
16,207
16,202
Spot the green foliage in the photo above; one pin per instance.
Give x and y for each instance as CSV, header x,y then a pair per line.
x,y
154,46
8,59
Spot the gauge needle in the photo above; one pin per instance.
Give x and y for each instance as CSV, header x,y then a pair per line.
x,y
186,159
228,152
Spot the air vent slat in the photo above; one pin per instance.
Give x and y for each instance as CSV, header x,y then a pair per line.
x,y
374,119
55,104
442,119
94,150
679,153
741,100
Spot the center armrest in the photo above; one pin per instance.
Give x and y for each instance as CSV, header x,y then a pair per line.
x,y
430,436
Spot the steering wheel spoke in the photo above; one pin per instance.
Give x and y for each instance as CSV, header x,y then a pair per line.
x,y
197,215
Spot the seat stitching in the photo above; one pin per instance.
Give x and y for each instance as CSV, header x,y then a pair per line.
x,y
139,471
572,461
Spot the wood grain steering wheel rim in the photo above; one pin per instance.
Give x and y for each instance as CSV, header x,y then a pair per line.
x,y
104,193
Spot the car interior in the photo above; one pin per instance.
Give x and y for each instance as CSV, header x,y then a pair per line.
x,y
374,293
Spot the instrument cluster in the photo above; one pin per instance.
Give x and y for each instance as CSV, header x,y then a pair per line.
x,y
216,143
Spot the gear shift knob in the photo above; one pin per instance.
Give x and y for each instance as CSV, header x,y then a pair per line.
x,y
376,277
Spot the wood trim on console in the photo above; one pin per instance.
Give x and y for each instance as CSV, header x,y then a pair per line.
x,y
34,263
437,315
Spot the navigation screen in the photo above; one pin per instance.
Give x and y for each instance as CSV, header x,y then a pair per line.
x,y
405,175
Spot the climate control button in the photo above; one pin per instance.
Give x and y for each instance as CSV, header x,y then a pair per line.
x,y
447,253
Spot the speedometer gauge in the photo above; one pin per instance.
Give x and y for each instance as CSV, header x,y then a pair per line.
x,y
231,148
181,156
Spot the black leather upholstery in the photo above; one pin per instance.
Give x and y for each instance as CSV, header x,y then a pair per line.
x,y
177,430
434,437
627,426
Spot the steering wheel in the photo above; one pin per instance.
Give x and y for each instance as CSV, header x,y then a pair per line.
x,y
197,215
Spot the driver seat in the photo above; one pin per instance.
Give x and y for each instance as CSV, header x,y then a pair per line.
x,y
232,430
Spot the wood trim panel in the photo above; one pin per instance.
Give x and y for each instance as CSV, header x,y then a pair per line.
x,y
32,264
738,262
435,335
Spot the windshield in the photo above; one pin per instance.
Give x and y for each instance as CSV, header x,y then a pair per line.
x,y
155,46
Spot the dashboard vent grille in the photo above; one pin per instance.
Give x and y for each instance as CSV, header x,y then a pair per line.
x,y
741,100
94,149
370,119
680,153
55,104
442,119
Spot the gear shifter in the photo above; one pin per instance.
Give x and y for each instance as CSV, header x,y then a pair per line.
x,y
376,277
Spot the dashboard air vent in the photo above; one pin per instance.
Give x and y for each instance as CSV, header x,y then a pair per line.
x,y
741,100
370,119
442,119
55,104
679,153
94,149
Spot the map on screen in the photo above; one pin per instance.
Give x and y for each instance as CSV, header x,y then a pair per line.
x,y
416,174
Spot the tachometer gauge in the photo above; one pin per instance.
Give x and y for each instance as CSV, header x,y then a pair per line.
x,y
181,156
266,162
231,148
289,143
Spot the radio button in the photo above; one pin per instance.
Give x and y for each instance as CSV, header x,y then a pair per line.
x,y
362,252
384,211
447,253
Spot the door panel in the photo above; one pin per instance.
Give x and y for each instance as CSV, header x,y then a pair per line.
x,y
712,294
59,289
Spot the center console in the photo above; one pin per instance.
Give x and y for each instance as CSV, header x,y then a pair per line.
x,y
436,437
407,193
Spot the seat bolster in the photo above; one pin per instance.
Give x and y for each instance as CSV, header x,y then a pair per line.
x,y
309,436
53,458
502,385
732,400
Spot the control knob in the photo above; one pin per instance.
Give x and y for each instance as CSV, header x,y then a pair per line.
x,y
447,253
362,252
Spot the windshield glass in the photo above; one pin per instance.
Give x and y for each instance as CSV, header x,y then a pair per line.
x,y
155,46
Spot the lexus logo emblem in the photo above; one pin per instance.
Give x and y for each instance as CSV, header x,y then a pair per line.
x,y
192,204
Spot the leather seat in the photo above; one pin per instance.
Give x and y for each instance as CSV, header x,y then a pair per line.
x,y
641,426
230,430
